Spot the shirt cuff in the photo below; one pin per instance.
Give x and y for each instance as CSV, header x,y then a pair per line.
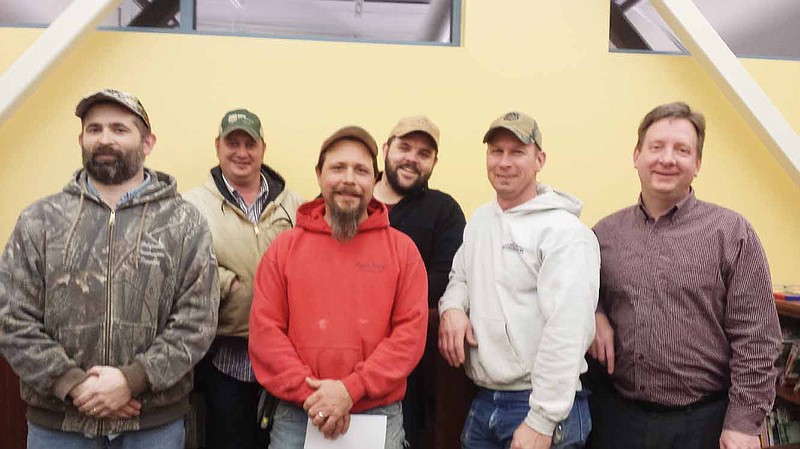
x,y
743,419
540,423
136,377
69,380
355,387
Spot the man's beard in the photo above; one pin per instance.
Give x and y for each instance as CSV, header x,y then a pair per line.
x,y
344,222
123,167
394,179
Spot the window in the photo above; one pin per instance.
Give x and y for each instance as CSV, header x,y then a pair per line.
x,y
155,14
405,21
751,28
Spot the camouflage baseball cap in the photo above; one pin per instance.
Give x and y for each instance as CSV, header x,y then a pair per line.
x,y
124,99
417,123
523,126
241,119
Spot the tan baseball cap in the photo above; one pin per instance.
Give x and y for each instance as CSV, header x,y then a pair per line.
x,y
522,125
124,99
352,132
416,123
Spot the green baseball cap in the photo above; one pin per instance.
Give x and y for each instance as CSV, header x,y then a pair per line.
x,y
241,119
522,125
124,99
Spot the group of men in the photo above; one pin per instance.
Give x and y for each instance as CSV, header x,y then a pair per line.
x,y
114,290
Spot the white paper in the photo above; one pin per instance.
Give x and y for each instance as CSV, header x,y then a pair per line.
x,y
365,432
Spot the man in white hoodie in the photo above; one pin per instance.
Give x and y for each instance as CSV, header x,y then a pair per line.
x,y
522,295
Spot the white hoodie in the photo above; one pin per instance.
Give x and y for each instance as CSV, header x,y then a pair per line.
x,y
528,278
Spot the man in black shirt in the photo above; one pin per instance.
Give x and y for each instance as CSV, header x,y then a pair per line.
x,y
435,222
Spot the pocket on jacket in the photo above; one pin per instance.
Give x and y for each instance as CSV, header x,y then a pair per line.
x,y
495,361
83,344
131,339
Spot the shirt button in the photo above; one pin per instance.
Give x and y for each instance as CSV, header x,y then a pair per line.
x,y
641,356
641,388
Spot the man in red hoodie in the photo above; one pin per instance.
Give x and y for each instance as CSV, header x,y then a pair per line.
x,y
340,305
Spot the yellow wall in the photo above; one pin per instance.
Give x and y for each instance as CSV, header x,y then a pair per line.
x,y
549,59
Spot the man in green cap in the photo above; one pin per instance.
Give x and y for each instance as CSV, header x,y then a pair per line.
x,y
246,204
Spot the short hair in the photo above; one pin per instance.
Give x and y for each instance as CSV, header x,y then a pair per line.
x,y
676,110
324,152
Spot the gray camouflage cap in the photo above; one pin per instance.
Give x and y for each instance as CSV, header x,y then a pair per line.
x,y
124,99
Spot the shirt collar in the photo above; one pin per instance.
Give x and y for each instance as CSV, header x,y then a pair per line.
x,y
133,193
678,210
264,189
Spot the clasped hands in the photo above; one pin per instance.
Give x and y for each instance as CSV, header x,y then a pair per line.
x,y
329,406
105,394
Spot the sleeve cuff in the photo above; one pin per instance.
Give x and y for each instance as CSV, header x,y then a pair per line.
x,y
355,387
743,420
136,377
69,380
444,307
540,424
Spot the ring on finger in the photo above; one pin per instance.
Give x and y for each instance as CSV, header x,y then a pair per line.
x,y
321,414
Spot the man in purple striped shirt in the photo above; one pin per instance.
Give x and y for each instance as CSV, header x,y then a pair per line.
x,y
686,324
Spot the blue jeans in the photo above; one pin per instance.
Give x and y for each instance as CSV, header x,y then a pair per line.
x,y
289,426
168,436
495,415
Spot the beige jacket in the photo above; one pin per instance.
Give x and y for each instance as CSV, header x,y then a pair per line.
x,y
239,244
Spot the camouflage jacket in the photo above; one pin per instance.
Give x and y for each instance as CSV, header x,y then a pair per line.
x,y
134,288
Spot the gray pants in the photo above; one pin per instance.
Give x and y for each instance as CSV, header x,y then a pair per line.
x,y
289,426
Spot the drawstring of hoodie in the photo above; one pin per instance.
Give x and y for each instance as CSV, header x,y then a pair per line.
x,y
72,229
139,237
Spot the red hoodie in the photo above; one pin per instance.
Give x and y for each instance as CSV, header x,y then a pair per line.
x,y
354,311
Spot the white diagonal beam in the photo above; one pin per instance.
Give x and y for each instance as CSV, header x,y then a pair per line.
x,y
80,17
705,45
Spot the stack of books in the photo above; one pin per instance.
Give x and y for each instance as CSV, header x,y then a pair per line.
x,y
780,427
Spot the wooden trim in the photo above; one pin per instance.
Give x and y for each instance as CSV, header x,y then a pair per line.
x,y
788,308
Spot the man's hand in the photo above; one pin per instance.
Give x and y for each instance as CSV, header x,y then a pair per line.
x,y
339,426
731,439
602,348
329,406
526,438
106,394
454,328
234,285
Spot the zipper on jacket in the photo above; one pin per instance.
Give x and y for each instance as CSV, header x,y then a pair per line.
x,y
107,334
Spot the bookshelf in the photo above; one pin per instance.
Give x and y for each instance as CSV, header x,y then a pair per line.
x,y
787,309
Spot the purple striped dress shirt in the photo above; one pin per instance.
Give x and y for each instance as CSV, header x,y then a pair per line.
x,y
690,300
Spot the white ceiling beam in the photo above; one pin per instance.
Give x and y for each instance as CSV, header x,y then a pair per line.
x,y
80,17
708,48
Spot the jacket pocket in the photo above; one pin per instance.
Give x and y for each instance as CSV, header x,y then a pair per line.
x,y
83,343
131,339
495,361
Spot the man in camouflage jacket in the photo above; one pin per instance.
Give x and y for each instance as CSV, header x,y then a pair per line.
x,y
108,293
